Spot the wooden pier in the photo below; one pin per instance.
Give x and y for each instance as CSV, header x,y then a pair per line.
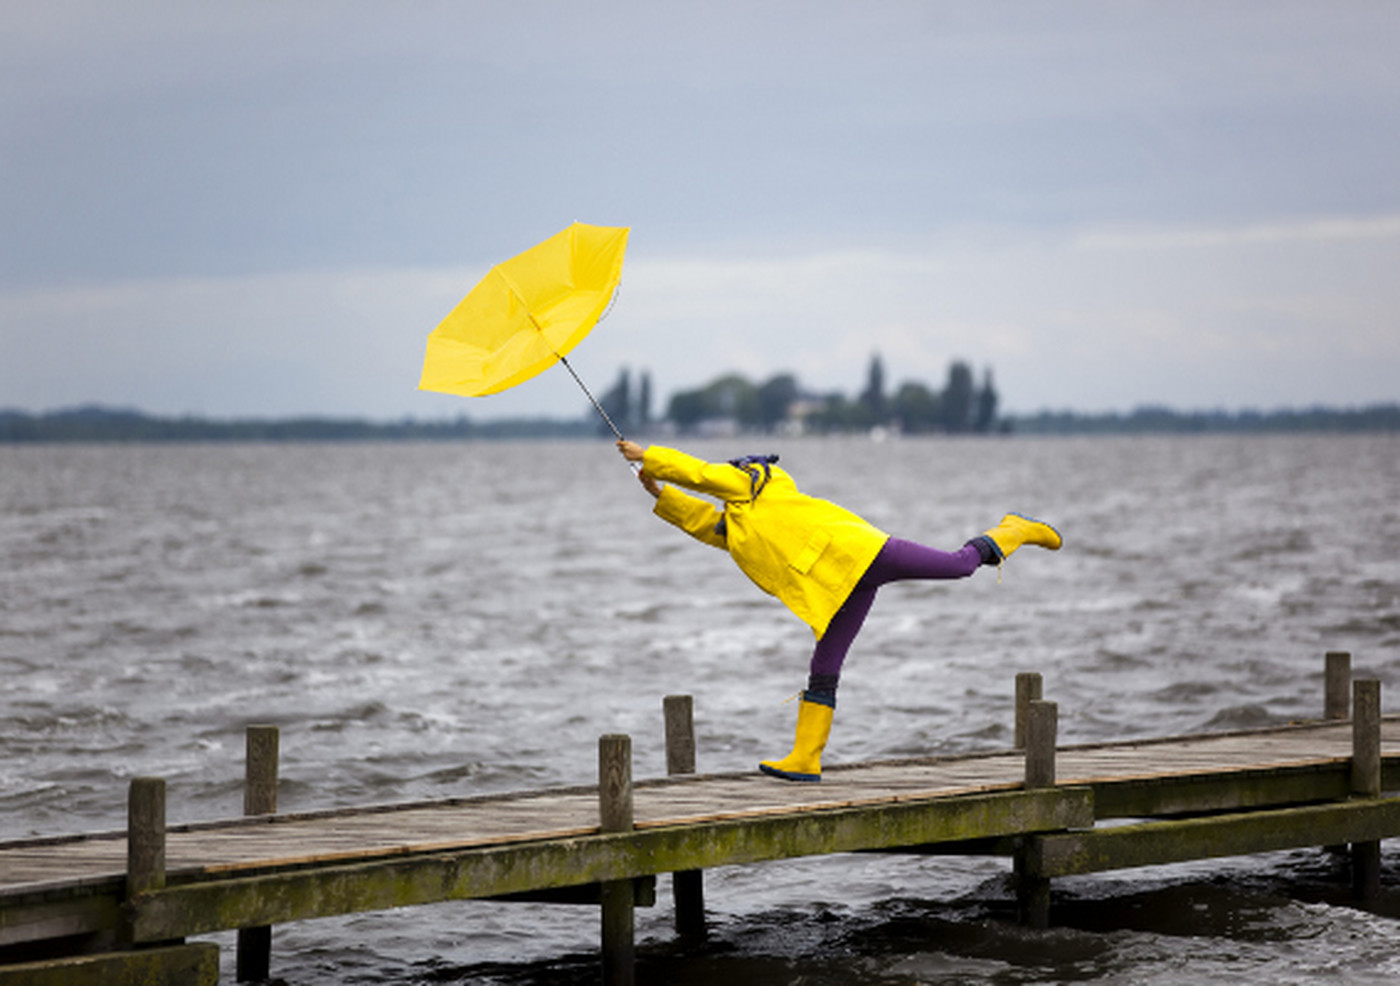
x,y
120,907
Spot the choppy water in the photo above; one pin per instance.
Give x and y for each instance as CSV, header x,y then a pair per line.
x,y
428,621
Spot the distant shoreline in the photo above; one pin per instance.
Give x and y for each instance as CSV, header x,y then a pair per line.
x,y
101,424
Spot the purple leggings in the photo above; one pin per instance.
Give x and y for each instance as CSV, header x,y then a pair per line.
x,y
897,561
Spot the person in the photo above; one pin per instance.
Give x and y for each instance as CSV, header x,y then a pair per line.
x,y
820,559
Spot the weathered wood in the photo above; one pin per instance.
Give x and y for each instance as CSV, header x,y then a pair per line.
x,y
679,714
195,964
260,770
253,954
615,783
1336,703
1222,791
1290,764
239,872
688,896
253,961
95,915
1366,870
1032,888
303,893
145,835
687,886
1155,843
1042,724
616,815
1366,738
1029,688
1212,772
1366,783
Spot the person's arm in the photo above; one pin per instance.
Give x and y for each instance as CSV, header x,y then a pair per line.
x,y
696,517
692,515
652,486
671,466
633,452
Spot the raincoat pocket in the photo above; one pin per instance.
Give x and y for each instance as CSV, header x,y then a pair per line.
x,y
809,554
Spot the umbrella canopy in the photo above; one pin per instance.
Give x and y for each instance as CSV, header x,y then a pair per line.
x,y
526,313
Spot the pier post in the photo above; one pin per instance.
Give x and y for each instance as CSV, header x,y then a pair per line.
x,y
1337,685
1032,889
687,886
260,771
618,903
1042,725
1029,688
1366,782
1336,705
145,836
145,841
254,962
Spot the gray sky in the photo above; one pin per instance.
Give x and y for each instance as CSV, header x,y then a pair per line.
x,y
262,208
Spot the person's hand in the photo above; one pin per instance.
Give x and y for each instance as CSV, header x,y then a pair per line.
x,y
631,451
653,487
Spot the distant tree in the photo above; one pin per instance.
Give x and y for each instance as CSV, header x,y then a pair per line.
x,y
840,414
957,399
775,398
617,402
873,397
916,408
986,411
730,397
961,406
687,408
643,410
737,398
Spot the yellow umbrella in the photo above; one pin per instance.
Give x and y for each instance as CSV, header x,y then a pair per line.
x,y
527,313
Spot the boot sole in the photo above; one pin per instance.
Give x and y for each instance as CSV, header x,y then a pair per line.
x,y
788,775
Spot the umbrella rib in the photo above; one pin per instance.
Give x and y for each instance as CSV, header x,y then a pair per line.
x,y
519,295
493,370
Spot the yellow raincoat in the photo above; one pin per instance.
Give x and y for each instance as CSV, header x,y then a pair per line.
x,y
808,552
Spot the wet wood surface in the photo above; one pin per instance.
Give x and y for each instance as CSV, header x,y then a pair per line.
x,y
294,840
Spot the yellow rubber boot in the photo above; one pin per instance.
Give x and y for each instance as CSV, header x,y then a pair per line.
x,y
1015,530
804,763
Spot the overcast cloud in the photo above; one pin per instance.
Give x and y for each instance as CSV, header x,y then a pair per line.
x,y
254,208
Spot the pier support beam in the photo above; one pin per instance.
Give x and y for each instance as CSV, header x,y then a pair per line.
x,y
254,963
195,964
1366,782
618,903
687,886
1032,889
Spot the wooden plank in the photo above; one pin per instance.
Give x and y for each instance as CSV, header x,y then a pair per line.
x,y
1143,776
1155,843
196,964
63,917
1234,790
300,894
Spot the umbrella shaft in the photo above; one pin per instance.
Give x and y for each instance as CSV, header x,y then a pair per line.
x,y
591,398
